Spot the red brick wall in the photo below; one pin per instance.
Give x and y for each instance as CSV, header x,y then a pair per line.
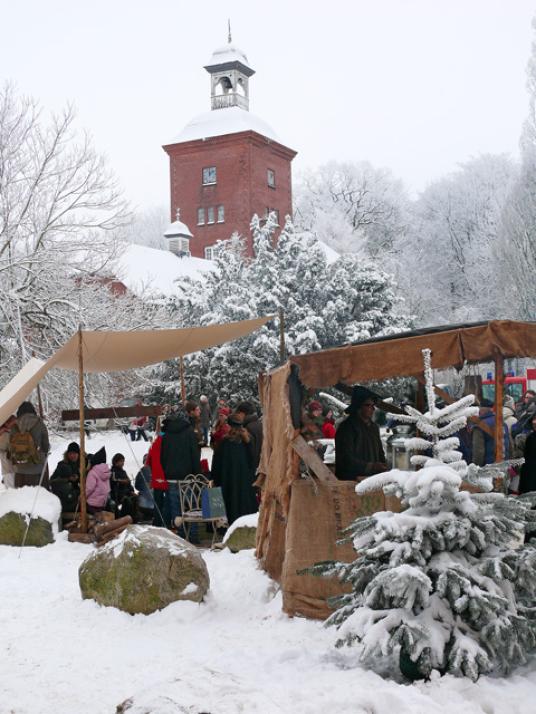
x,y
241,162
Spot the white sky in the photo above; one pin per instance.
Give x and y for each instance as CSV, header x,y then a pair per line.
x,y
415,85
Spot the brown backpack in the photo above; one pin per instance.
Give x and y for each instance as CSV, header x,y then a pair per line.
x,y
22,448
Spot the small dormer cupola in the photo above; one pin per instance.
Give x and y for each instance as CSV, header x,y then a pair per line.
x,y
229,77
178,237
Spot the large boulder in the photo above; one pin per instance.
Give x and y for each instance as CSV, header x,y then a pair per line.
x,y
242,534
28,516
143,570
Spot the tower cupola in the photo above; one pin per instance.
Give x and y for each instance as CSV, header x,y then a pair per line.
x,y
229,77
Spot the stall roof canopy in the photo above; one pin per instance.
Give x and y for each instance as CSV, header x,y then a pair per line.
x,y
116,351
401,355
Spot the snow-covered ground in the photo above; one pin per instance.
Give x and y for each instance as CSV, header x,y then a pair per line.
x,y
236,652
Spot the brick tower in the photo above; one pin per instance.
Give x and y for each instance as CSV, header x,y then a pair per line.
x,y
227,164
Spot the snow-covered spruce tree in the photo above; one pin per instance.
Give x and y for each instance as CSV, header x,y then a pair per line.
x,y
446,584
325,305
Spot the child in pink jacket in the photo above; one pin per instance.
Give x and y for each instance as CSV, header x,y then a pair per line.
x,y
97,487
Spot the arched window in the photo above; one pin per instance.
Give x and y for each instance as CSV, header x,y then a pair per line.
x,y
224,86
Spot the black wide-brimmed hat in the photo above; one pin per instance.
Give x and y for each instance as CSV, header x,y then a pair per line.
x,y
359,397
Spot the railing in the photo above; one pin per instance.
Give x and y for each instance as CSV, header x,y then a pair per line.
x,y
233,99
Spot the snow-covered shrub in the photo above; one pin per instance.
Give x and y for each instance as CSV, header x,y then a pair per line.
x,y
447,584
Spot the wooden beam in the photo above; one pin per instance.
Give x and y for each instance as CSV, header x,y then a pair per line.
x,y
81,400
112,412
499,396
311,459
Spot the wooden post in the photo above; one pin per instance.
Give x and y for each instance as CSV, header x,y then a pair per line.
x,y
183,384
499,396
282,346
81,399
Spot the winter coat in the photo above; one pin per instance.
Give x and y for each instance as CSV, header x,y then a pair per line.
x,y
180,453
254,426
158,478
328,429
205,415
218,434
118,487
98,485
233,468
142,485
527,477
36,426
357,447
64,483
483,445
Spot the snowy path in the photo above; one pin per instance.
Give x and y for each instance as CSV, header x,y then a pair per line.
x,y
234,653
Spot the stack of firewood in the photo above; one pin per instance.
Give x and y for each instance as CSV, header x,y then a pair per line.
x,y
102,528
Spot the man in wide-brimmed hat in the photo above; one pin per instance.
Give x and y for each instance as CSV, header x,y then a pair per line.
x,y
358,446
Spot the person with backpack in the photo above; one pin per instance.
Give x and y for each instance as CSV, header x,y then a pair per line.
x,y
28,446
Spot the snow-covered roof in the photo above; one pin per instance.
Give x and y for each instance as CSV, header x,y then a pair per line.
x,y
152,271
228,53
331,255
219,122
178,228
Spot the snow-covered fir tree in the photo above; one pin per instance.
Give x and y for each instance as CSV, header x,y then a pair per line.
x,y
325,305
447,584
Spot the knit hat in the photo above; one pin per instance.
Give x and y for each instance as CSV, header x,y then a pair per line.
x,y
224,411
73,448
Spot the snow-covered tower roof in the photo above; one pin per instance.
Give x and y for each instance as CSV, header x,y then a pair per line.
x,y
178,237
229,77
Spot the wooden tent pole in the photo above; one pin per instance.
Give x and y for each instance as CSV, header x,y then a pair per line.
x,y
282,346
183,384
499,398
81,400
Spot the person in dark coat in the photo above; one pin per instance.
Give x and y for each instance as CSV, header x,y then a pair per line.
x,y
358,446
179,457
253,424
193,411
233,468
65,481
121,489
527,477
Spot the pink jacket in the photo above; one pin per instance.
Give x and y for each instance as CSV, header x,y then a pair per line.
x,y
98,485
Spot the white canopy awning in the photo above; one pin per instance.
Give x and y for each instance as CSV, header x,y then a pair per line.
x,y
117,351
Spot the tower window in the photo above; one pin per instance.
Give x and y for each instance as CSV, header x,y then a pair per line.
x,y
200,216
211,252
271,178
273,211
221,214
210,214
209,175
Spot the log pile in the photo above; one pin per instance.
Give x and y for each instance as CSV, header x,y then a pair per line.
x,y
102,528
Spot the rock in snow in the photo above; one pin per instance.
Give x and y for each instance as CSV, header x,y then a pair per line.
x,y
242,534
31,505
143,570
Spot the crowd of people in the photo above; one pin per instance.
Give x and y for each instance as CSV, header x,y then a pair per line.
x,y
234,441
233,438
359,450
